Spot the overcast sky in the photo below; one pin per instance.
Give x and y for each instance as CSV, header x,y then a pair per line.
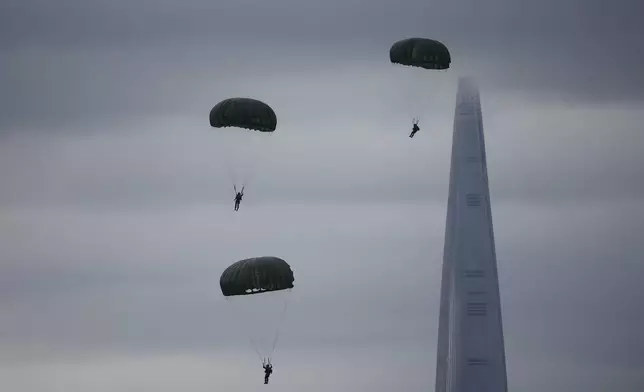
x,y
116,203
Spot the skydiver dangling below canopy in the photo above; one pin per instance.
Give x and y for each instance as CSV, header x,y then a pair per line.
x,y
258,282
268,370
415,128
238,197
245,116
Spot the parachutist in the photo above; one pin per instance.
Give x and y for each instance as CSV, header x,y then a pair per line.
x,y
243,115
422,53
257,282
238,197
268,370
414,129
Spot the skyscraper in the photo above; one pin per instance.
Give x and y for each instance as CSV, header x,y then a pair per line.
x,y
471,350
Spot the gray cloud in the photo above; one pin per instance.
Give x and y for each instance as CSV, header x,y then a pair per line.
x,y
537,153
98,59
368,281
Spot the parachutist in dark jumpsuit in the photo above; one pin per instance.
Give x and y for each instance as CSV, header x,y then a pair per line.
x,y
238,197
414,129
268,370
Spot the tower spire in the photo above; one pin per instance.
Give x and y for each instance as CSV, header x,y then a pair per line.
x,y
471,349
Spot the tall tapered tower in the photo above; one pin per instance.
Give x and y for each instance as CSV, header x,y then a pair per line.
x,y
471,351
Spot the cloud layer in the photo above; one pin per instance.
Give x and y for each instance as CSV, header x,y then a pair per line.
x,y
116,207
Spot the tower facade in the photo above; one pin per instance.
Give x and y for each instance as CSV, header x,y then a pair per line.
x,y
471,349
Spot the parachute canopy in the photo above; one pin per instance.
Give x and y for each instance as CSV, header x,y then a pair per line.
x,y
420,52
245,113
256,275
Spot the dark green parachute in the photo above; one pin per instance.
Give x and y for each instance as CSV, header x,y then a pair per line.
x,y
245,113
258,290
256,275
420,52
242,151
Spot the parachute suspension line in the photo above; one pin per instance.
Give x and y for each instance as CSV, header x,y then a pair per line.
x,y
279,326
407,92
242,160
257,140
403,89
240,155
259,355
231,173
246,332
228,159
